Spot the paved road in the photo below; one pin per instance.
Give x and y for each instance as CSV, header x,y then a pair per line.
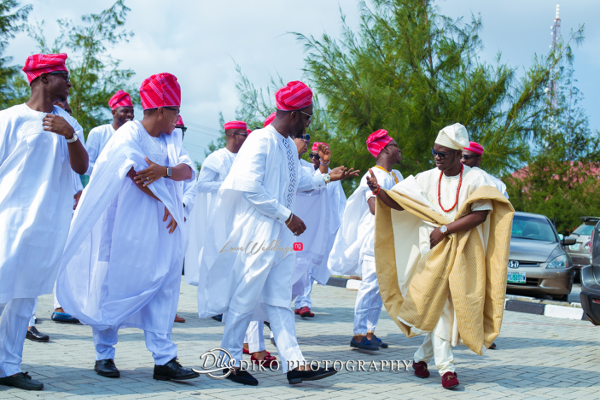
x,y
538,357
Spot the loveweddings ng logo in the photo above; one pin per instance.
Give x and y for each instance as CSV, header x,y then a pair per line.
x,y
252,247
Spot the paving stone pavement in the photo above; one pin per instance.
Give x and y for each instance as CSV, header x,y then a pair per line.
x,y
537,358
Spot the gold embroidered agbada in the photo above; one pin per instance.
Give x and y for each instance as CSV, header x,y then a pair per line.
x,y
457,289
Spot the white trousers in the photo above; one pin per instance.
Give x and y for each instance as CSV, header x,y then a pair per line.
x,y
282,324
440,349
14,320
56,303
32,319
254,337
304,300
368,300
160,345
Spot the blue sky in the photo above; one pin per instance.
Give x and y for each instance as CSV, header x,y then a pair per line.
x,y
199,40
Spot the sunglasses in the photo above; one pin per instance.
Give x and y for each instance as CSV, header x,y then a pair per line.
x,y
312,155
173,109
308,115
304,137
469,157
241,134
65,75
439,154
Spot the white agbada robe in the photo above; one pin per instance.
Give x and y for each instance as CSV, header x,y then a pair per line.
x,y
321,210
36,207
96,141
424,188
253,204
214,171
121,267
354,250
501,186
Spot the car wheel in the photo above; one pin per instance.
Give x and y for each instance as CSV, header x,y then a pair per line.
x,y
561,298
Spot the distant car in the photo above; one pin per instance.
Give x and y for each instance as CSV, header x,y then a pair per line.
x,y
538,262
590,281
580,251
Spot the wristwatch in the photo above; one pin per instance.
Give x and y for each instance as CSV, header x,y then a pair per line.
x,y
73,139
169,172
326,178
444,230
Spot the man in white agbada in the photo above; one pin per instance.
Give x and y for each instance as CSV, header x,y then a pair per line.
x,y
122,261
322,211
214,171
122,111
353,249
39,150
421,288
254,211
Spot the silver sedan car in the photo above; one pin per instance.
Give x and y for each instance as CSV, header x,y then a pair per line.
x,y
538,261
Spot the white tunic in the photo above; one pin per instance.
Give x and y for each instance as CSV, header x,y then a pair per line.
x,y
501,186
320,211
96,141
121,267
214,171
253,204
355,238
36,201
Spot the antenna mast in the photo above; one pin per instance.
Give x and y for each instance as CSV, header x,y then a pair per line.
x,y
553,85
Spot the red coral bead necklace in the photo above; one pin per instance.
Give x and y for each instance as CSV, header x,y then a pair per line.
x,y
457,191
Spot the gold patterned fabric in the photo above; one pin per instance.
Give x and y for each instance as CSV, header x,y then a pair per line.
x,y
469,268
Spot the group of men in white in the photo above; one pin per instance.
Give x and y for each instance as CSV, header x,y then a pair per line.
x,y
256,229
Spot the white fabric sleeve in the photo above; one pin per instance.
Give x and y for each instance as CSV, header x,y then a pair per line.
x,y
267,205
482,205
189,195
207,181
92,147
307,182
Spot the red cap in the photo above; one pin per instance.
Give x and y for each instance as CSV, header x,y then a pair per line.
x,y
475,148
236,125
377,141
270,119
38,64
120,99
160,90
294,96
316,145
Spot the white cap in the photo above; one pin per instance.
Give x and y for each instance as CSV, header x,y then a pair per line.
x,y
453,137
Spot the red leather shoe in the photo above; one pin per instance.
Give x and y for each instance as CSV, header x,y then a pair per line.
x,y
449,380
305,312
297,311
268,361
421,369
179,319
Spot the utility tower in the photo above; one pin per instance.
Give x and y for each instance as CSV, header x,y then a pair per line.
x,y
553,85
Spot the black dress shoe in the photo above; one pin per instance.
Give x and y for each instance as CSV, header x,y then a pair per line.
x,y
36,336
243,377
173,371
378,342
297,376
218,317
22,380
107,368
493,346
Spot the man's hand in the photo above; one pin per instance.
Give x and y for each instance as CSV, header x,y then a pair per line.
x,y
339,173
372,181
173,224
324,153
58,125
77,197
151,174
296,226
435,237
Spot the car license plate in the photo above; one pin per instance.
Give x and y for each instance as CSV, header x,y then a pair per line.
x,y
516,277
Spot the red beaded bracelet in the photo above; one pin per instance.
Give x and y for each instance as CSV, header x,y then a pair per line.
x,y
378,190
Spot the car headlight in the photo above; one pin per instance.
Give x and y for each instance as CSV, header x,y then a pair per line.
x,y
559,262
587,246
